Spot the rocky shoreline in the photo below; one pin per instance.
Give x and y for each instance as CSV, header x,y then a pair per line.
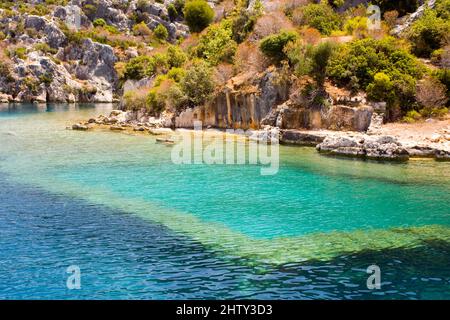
x,y
376,145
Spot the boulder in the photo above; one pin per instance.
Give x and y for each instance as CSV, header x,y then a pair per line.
x,y
55,38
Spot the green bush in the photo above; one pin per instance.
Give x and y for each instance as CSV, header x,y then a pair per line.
x,y
356,26
99,22
310,60
273,45
141,29
176,74
355,65
138,68
198,85
161,32
135,100
19,52
319,62
381,89
156,101
175,56
159,64
319,16
357,62
412,116
443,9
217,45
198,15
45,48
428,33
175,97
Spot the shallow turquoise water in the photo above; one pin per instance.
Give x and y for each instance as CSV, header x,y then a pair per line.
x,y
317,211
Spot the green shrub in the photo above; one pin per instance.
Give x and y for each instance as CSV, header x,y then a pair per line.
x,y
443,9
310,60
99,22
273,45
319,62
135,100
138,68
217,45
111,29
198,15
355,65
381,89
141,29
198,85
156,101
357,62
412,116
161,32
175,97
46,79
45,48
428,33
175,56
319,16
19,52
176,74
356,26
159,64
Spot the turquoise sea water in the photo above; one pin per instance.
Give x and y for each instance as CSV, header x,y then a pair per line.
x,y
139,226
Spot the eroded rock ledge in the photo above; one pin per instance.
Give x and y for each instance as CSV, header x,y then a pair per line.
x,y
365,146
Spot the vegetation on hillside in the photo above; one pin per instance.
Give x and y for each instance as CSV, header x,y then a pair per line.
x,y
314,41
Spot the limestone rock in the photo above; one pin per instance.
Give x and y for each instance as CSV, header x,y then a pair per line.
x,y
380,148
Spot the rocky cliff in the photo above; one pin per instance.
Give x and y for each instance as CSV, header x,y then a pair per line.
x,y
54,54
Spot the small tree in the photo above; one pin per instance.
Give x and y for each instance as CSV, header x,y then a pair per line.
x,y
197,84
319,62
198,15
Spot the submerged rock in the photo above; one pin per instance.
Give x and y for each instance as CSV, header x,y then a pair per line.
x,y
79,126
